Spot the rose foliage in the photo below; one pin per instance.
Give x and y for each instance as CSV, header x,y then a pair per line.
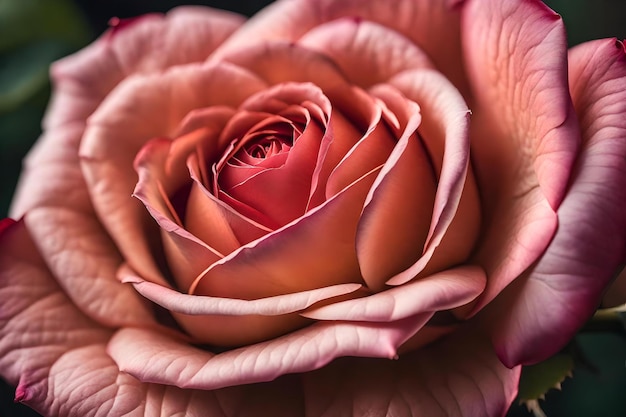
x,y
227,217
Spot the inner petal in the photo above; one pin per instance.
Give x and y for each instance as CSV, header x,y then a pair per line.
x,y
277,148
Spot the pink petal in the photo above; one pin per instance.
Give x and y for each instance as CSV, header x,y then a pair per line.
x,y
63,369
368,152
524,130
355,116
141,108
79,252
5,224
459,376
315,251
203,204
150,357
354,45
62,222
82,80
187,255
520,80
291,183
282,193
442,291
544,310
38,324
203,305
396,216
282,62
56,356
429,24
444,130
149,45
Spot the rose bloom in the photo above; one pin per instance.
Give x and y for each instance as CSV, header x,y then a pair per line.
x,y
336,208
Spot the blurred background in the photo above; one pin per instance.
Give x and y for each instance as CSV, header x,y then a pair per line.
x,y
34,33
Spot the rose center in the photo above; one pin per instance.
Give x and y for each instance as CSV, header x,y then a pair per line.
x,y
265,147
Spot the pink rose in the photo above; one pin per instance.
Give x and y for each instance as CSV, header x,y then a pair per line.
x,y
303,200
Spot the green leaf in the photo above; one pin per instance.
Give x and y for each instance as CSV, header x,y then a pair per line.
x,y
537,380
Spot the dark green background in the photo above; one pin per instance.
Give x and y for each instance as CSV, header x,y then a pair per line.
x,y
35,32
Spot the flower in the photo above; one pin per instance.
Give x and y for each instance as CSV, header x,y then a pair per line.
x,y
303,199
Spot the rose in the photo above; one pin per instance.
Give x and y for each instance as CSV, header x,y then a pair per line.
x,y
306,70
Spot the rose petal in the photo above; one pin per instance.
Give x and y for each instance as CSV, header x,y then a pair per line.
x,y
203,204
442,291
354,45
82,80
523,94
150,44
459,376
141,108
66,358
290,183
524,130
370,151
79,252
316,251
565,286
62,195
429,24
396,215
38,324
444,130
135,352
187,254
56,356
282,62
203,305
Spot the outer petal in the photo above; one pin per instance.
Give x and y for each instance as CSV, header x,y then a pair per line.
x,y
35,324
524,130
459,376
141,108
280,62
565,286
56,356
152,357
62,222
355,45
145,45
81,81
64,370
396,214
429,24
203,305
443,291
445,132
52,181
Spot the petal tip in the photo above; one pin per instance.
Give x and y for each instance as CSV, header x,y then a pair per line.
x,y
6,224
22,394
